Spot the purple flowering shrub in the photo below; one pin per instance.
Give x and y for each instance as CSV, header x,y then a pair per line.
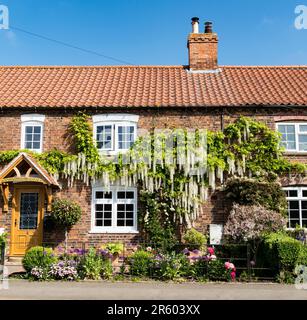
x,y
64,270
43,264
251,222
74,254
38,273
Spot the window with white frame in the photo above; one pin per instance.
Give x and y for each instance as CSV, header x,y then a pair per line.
x,y
297,206
114,210
32,126
115,132
293,136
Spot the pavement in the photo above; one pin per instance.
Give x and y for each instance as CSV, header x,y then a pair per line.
x,y
107,290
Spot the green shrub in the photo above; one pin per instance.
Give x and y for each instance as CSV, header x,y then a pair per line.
x,y
140,263
213,270
244,277
302,258
246,191
194,239
286,277
284,250
94,266
65,213
286,253
200,268
107,269
216,271
38,257
289,252
171,266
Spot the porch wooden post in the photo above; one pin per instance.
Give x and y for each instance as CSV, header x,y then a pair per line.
x,y
49,197
5,195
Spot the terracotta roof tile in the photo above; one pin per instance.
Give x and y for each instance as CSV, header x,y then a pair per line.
x,y
150,86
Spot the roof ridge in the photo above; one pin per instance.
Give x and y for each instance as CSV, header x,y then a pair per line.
x,y
91,67
149,66
266,67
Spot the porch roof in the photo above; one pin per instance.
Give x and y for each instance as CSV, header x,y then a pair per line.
x,y
42,175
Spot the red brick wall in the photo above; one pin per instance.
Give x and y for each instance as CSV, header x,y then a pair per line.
x,y
56,135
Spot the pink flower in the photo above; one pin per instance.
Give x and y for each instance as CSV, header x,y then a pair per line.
x,y
231,266
210,250
233,275
227,265
213,257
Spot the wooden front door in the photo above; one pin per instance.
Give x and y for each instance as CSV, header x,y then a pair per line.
x,y
27,219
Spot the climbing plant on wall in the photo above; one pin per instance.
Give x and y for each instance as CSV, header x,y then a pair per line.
x,y
181,166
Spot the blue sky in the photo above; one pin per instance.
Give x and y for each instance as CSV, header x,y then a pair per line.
x,y
151,32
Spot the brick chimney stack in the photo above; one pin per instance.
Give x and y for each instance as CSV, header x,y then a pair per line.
x,y
202,47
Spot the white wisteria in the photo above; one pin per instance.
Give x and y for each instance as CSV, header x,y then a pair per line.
x,y
175,160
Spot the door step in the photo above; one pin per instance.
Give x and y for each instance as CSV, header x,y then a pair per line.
x,y
14,265
17,260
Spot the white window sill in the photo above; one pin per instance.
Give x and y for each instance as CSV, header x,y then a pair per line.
x,y
34,151
111,153
293,229
113,231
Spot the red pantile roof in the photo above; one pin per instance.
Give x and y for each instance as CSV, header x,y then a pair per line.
x,y
151,86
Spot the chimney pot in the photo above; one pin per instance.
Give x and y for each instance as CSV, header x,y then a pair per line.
x,y
208,27
195,25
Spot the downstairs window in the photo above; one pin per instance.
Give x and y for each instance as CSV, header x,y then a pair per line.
x,y
114,210
297,206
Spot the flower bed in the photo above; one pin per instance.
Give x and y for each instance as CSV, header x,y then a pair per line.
x,y
75,264
47,264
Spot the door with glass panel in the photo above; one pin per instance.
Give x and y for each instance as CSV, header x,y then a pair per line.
x,y
27,220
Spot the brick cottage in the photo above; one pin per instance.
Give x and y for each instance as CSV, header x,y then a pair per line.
x,y
37,105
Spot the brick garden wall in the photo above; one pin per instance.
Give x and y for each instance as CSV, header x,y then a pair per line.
x,y
56,135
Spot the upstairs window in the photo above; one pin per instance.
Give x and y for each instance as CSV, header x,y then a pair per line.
x,y
32,132
294,136
297,206
115,132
